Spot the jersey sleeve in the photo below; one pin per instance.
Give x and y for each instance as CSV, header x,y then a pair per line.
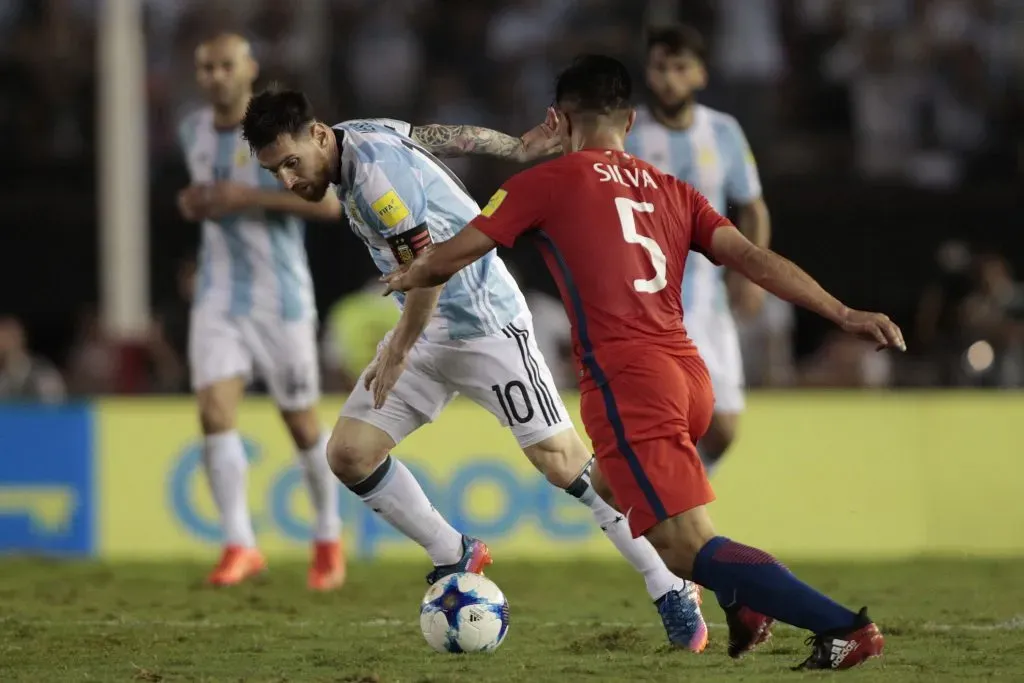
x,y
400,127
742,182
391,199
704,219
518,206
187,132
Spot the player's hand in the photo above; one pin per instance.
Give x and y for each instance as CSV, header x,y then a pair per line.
x,y
409,275
192,203
385,370
541,141
226,198
874,327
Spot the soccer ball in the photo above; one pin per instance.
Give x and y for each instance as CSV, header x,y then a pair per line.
x,y
464,613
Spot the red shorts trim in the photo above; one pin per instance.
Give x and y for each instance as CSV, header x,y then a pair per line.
x,y
644,424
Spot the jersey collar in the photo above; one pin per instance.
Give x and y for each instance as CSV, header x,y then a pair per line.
x,y
339,138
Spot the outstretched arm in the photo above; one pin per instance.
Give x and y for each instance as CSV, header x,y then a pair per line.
x,y
453,141
227,197
788,281
438,264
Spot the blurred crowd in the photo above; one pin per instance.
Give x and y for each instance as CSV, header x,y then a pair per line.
x,y
922,93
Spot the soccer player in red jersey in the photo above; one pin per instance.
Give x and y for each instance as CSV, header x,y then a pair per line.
x,y
615,233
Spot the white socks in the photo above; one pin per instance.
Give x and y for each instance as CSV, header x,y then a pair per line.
x,y
323,491
638,551
226,470
394,494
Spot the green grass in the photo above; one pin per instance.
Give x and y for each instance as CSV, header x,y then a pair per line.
x,y
944,621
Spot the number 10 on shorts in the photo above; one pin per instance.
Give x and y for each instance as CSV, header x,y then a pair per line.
x,y
508,403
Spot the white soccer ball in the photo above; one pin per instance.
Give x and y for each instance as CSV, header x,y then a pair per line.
x,y
464,613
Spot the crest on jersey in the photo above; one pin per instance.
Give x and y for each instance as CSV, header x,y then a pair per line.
x,y
404,253
706,157
748,155
496,199
352,209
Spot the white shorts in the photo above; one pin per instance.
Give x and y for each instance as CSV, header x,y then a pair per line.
x,y
716,338
504,373
283,354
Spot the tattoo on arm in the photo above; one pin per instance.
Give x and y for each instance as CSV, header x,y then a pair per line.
x,y
448,141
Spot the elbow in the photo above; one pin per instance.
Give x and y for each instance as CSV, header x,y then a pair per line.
x,y
330,216
747,261
328,211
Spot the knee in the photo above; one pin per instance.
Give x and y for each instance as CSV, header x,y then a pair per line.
x,y
216,413
351,455
679,539
720,435
601,487
559,459
304,427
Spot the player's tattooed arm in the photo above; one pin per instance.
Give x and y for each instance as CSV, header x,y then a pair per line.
x,y
452,141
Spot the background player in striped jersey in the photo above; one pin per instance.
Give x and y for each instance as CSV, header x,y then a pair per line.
x,y
707,149
473,336
254,310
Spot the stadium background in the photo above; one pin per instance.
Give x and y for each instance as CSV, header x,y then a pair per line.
x,y
890,144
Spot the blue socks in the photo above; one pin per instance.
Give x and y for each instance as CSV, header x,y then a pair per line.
x,y
739,574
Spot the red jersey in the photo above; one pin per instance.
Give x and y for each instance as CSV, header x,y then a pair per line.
x,y
615,233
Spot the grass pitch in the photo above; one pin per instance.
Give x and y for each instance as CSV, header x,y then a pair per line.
x,y
944,621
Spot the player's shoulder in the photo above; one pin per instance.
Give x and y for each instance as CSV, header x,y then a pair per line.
x,y
365,143
374,127
643,173
192,122
719,119
644,117
544,172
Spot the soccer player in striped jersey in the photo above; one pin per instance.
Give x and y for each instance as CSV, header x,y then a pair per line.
x,y
253,312
706,149
474,336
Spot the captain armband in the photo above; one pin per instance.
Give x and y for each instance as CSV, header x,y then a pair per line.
x,y
410,244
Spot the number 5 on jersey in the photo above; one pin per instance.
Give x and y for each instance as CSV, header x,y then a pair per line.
x,y
626,208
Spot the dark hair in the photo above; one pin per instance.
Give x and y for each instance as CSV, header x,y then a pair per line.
x,y
677,39
595,84
274,112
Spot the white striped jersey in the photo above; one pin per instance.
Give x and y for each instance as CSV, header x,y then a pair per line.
x,y
399,199
713,156
254,263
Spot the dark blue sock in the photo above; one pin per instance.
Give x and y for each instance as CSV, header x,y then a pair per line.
x,y
747,576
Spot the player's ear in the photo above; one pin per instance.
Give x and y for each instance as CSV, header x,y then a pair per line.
x,y
631,120
702,77
254,70
319,131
